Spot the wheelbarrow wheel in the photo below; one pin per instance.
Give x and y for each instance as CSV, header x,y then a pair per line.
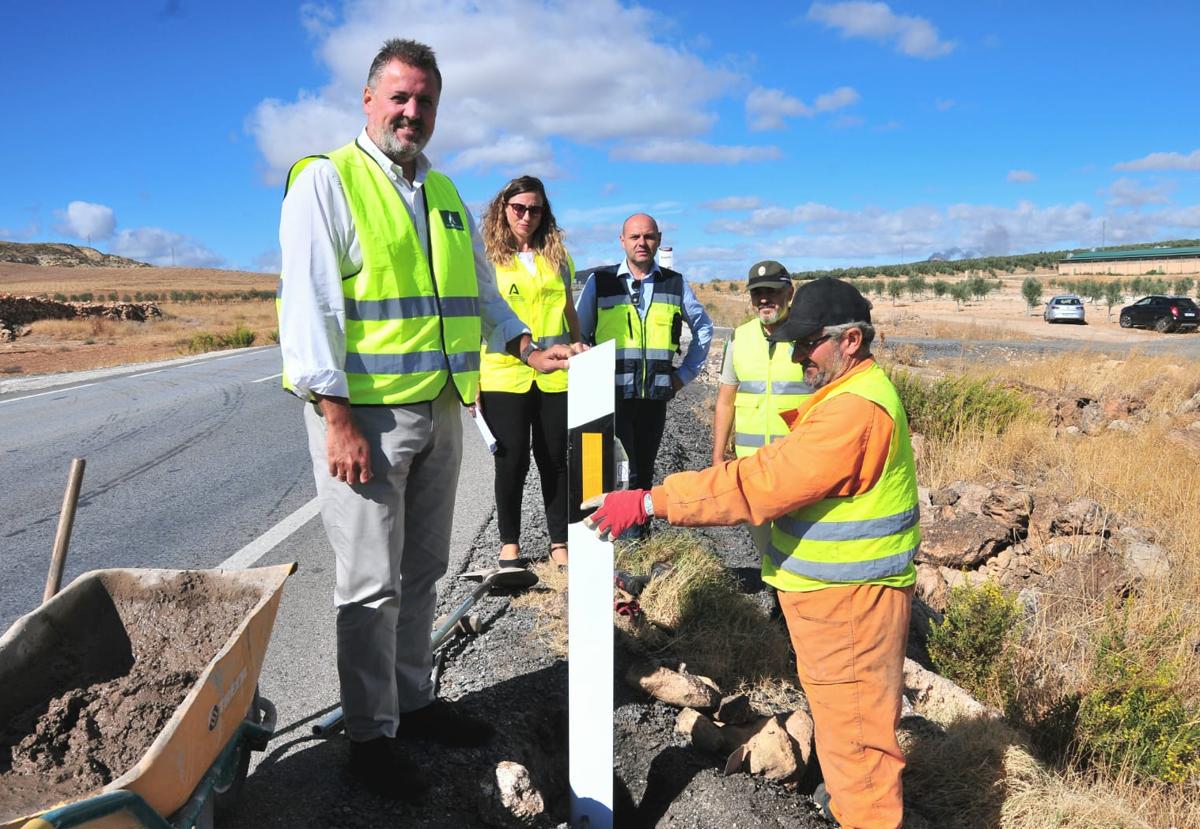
x,y
225,797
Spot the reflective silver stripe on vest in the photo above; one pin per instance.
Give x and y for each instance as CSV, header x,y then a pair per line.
x,y
466,361
790,387
657,353
863,530
460,306
629,354
279,288
557,339
752,387
411,363
666,299
623,380
395,308
662,379
613,301
748,439
876,568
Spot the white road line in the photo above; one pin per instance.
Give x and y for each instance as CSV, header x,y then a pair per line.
x,y
272,538
148,373
265,379
44,393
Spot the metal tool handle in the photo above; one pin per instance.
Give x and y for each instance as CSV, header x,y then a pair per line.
x,y
62,538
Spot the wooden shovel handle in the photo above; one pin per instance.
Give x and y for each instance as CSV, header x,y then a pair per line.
x,y
62,538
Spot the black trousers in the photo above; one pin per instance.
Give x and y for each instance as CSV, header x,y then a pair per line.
x,y
639,426
532,418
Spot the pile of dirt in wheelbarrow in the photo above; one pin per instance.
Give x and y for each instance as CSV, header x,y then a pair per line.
x,y
73,742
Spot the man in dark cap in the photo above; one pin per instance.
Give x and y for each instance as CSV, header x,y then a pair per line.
x,y
759,381
840,494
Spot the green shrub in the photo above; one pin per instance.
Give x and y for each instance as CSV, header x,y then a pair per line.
x,y
1133,718
273,335
952,405
1031,290
972,643
199,343
240,337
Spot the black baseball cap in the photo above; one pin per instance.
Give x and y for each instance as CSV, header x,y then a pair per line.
x,y
821,302
768,274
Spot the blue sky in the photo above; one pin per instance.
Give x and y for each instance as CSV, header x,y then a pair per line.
x,y
825,134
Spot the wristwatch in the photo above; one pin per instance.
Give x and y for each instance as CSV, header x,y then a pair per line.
x,y
648,503
529,349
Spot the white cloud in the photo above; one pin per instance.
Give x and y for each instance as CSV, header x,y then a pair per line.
x,y
1163,161
512,154
87,221
691,151
1126,192
766,108
944,104
913,36
1021,176
21,234
164,247
733,203
269,261
843,96
583,84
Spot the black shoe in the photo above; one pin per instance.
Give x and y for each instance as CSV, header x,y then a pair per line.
x,y
445,723
821,797
383,771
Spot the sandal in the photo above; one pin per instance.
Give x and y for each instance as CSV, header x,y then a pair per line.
x,y
559,547
519,562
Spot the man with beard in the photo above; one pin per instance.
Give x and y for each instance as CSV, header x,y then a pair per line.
x,y
759,381
385,293
840,492
642,307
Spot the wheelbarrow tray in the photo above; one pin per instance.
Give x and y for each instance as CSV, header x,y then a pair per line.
x,y
79,621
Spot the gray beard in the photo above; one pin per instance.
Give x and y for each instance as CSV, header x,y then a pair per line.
x,y
400,152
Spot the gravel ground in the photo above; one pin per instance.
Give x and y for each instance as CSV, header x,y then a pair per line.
x,y
509,676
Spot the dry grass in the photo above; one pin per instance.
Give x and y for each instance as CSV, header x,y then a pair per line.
x,y
697,615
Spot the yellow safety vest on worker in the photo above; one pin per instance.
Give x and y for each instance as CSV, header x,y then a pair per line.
x,y
412,314
539,300
871,538
645,347
768,383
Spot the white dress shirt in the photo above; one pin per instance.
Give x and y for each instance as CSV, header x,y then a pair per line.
x,y
320,248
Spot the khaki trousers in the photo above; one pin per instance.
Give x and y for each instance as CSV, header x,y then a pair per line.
x,y
391,543
850,643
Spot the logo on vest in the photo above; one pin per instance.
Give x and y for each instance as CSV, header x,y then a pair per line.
x,y
452,220
512,291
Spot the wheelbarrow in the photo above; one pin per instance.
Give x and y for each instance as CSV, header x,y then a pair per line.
x,y
196,764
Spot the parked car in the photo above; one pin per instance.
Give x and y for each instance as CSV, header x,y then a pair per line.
x,y
1065,308
1162,313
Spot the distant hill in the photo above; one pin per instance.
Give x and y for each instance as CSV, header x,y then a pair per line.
x,y
63,256
953,262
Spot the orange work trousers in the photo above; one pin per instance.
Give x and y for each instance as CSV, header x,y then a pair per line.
x,y
850,642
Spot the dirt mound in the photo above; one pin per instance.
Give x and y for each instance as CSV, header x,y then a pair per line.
x,y
86,737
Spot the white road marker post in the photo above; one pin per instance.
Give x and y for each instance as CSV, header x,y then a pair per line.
x,y
589,590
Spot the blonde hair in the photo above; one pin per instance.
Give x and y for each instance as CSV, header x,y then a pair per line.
x,y
501,243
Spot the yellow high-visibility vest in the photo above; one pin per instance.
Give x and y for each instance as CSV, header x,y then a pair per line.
x,y
539,300
412,314
870,538
645,347
768,383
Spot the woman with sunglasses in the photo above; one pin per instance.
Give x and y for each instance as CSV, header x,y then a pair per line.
x,y
523,408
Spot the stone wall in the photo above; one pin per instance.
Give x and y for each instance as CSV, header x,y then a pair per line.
x,y
17,312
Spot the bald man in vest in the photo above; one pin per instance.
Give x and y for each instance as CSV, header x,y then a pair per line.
x,y
840,493
642,307
385,294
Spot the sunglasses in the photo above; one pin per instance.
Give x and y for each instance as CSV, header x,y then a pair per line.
x,y
520,210
810,344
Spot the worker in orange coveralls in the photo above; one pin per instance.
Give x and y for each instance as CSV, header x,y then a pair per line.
x,y
840,493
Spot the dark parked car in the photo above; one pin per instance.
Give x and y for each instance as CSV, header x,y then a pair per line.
x,y
1065,308
1162,313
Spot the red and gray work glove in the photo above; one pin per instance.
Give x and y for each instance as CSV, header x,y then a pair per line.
x,y
617,512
